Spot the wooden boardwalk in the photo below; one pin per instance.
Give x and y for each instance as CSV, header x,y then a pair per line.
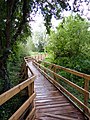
x,y
45,101
50,103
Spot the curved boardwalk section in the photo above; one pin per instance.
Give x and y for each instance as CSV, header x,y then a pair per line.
x,y
50,103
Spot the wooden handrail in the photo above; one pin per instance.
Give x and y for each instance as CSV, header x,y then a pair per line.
x,y
13,91
85,92
20,111
29,83
39,56
83,75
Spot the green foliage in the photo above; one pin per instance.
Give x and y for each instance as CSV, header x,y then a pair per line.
x,y
15,17
30,45
14,69
70,44
40,37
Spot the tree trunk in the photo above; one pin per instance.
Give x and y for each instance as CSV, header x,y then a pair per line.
x,y
4,75
10,40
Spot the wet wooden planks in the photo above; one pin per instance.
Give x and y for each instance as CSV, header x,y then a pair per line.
x,y
50,103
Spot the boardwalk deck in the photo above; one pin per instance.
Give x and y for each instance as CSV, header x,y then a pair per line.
x,y
50,103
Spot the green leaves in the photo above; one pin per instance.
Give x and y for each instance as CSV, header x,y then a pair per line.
x,y
70,43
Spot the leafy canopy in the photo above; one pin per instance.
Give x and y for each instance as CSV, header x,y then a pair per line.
x,y
70,43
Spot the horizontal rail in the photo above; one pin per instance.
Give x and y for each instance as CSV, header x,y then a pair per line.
x,y
20,111
28,81
13,91
72,97
83,91
83,75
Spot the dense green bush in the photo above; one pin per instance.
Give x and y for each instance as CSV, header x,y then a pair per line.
x,y
69,44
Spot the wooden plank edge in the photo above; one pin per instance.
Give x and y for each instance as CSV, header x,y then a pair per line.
x,y
60,116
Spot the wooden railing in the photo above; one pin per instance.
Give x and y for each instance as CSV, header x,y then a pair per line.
x,y
40,56
28,82
50,72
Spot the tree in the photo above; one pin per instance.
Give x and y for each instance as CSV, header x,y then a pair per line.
x,y
40,37
29,46
70,43
14,18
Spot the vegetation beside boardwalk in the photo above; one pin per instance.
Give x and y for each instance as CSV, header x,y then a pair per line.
x,y
15,41
69,46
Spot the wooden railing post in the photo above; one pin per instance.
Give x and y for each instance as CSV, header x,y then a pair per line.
x,y
31,86
86,96
24,71
32,106
31,89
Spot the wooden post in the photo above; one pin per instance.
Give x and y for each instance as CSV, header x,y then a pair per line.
x,y
24,71
86,96
31,89
30,92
